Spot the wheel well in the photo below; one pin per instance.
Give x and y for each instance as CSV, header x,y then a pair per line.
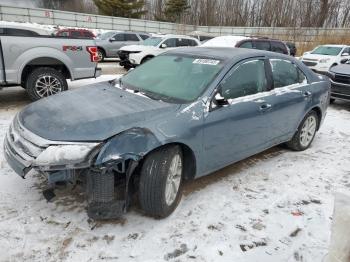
x,y
319,115
189,159
147,56
44,62
102,49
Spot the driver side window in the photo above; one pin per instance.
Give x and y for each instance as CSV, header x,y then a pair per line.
x,y
247,79
119,37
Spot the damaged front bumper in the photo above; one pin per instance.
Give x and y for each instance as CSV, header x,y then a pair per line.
x,y
69,163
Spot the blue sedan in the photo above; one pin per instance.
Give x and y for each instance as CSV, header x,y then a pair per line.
x,y
180,116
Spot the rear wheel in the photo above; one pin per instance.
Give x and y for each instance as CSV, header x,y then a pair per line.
x,y
306,132
160,181
45,81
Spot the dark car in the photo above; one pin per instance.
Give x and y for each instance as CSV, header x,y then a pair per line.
x,y
266,44
292,48
340,80
180,116
76,33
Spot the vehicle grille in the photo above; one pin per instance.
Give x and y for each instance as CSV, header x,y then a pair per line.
x,y
23,149
123,55
344,79
309,63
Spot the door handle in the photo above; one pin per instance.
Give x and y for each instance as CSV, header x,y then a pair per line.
x,y
307,94
265,107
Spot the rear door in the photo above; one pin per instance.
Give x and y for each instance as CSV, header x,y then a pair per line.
x,y
288,101
262,45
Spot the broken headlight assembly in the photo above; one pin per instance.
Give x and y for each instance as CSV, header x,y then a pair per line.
x,y
66,156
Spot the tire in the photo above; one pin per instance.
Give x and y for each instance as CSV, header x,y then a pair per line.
x,y
147,58
101,55
38,83
298,143
154,182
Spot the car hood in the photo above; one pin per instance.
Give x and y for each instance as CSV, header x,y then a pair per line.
x,y
138,48
93,113
343,69
318,57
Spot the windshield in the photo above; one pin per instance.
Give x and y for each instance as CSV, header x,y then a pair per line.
x,y
106,35
173,78
152,41
327,50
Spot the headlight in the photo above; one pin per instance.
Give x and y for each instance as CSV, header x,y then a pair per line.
x,y
64,154
325,60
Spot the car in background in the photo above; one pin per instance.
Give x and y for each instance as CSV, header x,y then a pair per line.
x,y
340,80
323,57
180,116
110,42
259,43
11,30
134,55
292,48
201,36
75,33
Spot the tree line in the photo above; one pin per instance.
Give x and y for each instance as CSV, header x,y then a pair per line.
x,y
259,13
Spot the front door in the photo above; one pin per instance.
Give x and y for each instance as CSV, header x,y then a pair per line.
x,y
238,128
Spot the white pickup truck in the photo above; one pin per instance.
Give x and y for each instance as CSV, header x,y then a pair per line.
x,y
41,64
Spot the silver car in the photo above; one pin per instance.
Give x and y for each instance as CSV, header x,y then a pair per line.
x,y
109,43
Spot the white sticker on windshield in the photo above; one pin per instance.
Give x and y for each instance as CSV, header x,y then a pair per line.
x,y
206,61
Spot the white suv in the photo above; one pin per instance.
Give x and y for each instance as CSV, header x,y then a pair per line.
x,y
323,57
133,55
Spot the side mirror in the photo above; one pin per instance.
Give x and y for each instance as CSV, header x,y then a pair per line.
x,y
163,46
219,100
112,39
345,54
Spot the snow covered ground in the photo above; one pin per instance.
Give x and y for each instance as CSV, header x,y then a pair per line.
x,y
276,206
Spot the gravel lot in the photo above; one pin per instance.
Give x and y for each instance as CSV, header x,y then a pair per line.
x,y
275,206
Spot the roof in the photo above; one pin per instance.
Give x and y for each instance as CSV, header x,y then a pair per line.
x,y
222,53
334,45
225,41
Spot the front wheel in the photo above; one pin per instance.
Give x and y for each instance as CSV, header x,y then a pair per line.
x,y
306,132
45,81
160,181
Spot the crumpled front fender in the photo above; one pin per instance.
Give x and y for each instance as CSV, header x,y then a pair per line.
x,y
131,144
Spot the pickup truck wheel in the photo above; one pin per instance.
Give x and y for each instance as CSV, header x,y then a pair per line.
x,y
305,133
45,81
160,181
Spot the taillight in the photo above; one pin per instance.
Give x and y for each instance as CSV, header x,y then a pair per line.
x,y
93,53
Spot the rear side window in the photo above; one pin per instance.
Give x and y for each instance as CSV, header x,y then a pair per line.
x,y
131,37
183,42
75,34
278,47
192,42
87,34
247,44
247,79
262,45
144,37
20,32
285,73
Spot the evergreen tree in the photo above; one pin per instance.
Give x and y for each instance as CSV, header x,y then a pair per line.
x,y
174,9
121,8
